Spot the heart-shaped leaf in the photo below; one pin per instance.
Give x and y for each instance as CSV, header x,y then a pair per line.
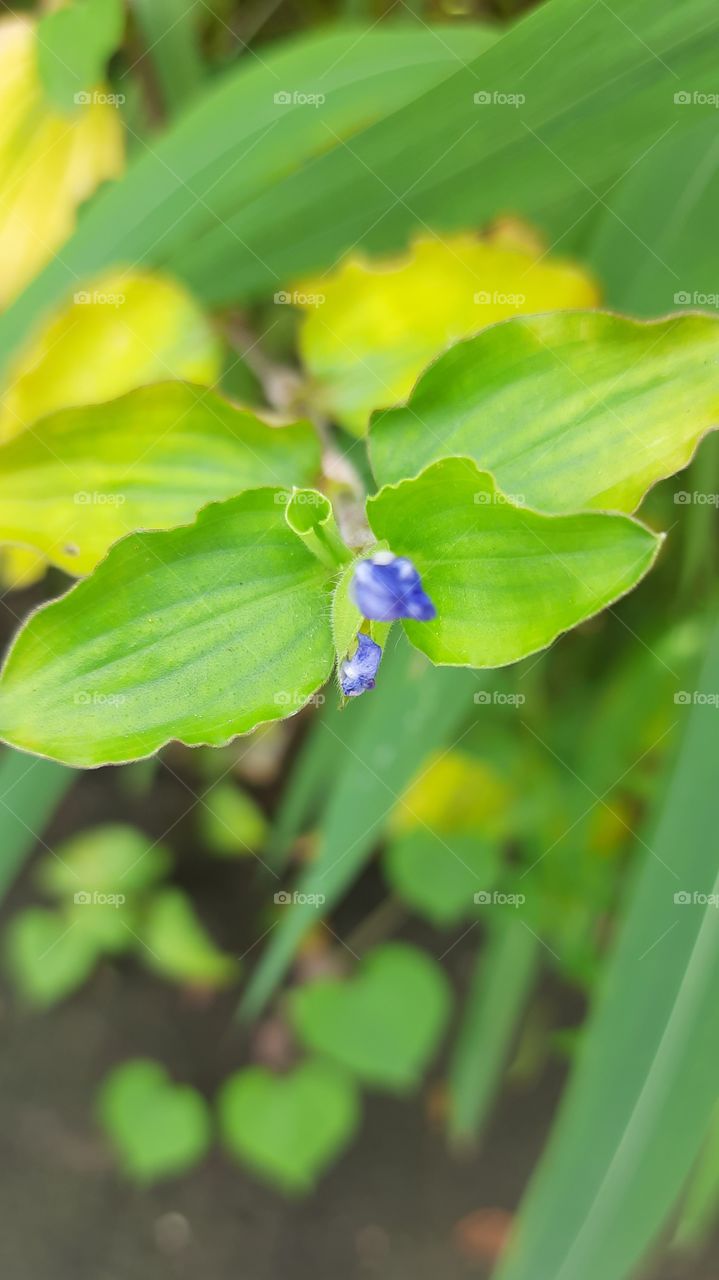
x,y
288,1128
505,581
172,942
111,858
200,634
48,954
384,1024
439,875
568,411
85,477
378,323
158,1129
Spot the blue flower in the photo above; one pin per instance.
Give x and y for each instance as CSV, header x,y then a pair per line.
x,y
388,587
358,672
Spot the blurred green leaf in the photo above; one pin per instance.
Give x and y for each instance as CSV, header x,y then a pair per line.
x,y
384,1024
30,791
173,943
246,192
288,1128
232,607
505,580
157,1129
438,876
700,1204
169,29
506,968
48,955
112,858
85,477
230,821
639,1101
570,410
74,44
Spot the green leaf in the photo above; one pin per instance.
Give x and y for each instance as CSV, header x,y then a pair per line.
x,y
74,44
173,943
288,1128
382,1025
504,976
568,411
83,478
244,193
158,1129
701,1198
439,875
48,955
232,824
639,1103
506,581
309,514
172,41
112,858
231,610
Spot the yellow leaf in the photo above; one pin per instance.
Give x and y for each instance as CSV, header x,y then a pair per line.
x,y
49,162
119,331
452,793
371,326
20,567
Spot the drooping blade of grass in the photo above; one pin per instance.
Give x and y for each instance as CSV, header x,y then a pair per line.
x,y
506,968
414,710
639,1102
701,1199
30,791
169,33
316,765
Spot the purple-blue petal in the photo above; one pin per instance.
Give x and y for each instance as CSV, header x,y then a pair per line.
x,y
357,674
388,587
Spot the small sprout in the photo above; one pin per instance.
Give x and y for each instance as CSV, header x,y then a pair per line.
x,y
357,674
388,587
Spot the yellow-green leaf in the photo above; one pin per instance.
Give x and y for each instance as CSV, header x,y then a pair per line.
x,y
85,477
372,325
118,331
568,411
199,633
49,162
